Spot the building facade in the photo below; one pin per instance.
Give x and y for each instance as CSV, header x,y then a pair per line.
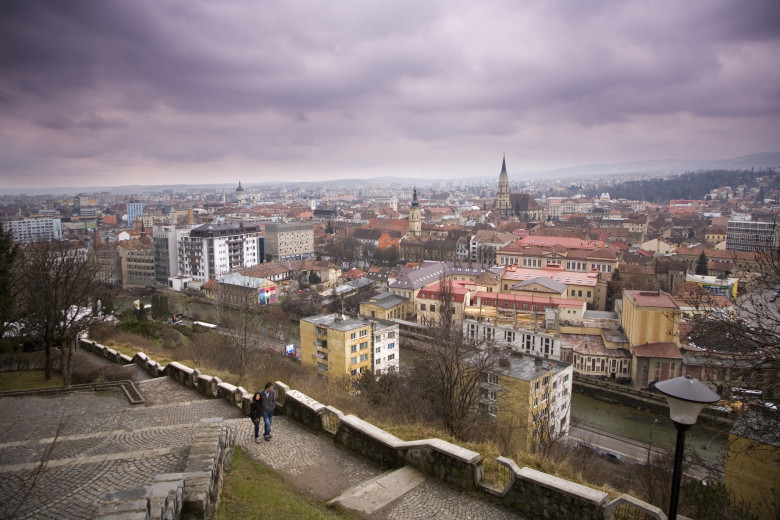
x,y
36,230
751,235
340,345
134,210
289,241
211,250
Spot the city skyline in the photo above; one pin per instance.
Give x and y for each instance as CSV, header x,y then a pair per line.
x,y
149,93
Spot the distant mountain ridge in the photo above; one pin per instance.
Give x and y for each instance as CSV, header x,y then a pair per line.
x,y
658,166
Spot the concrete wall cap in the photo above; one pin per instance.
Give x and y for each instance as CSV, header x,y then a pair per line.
x,y
179,366
372,431
227,386
304,400
443,446
564,486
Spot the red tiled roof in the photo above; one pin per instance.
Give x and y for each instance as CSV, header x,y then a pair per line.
x,y
652,299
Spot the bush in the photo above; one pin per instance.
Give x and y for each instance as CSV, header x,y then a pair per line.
x,y
147,329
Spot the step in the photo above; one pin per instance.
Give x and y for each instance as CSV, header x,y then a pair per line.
x,y
376,493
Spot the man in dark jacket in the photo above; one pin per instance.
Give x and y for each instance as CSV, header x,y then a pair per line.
x,y
255,413
267,405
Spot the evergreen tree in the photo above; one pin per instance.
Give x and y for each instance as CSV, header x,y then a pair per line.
x,y
8,254
701,265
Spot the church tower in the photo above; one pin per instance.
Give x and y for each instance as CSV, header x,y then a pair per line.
x,y
415,227
502,205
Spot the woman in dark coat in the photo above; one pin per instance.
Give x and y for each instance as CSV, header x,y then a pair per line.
x,y
256,413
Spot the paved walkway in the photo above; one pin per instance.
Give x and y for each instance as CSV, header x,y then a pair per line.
x,y
61,454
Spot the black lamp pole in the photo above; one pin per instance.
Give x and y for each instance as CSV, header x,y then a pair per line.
x,y
686,397
679,451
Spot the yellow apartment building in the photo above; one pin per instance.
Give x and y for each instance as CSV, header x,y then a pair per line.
x,y
340,345
530,398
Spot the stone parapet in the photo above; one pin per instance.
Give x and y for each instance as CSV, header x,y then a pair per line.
x,y
532,493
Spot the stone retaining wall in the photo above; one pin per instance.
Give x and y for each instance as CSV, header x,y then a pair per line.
x,y
193,493
532,493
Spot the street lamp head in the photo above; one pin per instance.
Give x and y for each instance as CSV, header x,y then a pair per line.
x,y
687,397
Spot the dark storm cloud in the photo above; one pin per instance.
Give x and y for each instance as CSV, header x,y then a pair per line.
x,y
240,83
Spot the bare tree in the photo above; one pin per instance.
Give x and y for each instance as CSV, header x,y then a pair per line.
x,y
453,368
239,316
61,297
741,347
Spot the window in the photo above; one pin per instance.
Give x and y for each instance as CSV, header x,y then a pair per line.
x,y
422,306
378,361
363,333
363,345
492,379
363,357
433,308
353,335
492,410
492,395
378,350
588,294
353,360
536,385
391,357
390,335
353,348
579,293
353,372
390,346
545,396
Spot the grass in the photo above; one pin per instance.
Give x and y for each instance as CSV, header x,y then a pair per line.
x,y
252,491
27,380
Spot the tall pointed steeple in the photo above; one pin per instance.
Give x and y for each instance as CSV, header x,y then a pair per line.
x,y
502,195
415,224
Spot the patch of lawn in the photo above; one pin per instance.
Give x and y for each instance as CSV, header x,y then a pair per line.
x,y
27,380
252,491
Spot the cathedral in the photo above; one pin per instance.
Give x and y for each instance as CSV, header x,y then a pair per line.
x,y
520,205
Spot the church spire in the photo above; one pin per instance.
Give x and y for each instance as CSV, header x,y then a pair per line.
x,y
503,165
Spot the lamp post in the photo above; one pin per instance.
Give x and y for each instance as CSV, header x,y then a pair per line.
x,y
686,397
650,442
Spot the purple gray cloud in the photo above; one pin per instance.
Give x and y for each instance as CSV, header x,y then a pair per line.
x,y
117,92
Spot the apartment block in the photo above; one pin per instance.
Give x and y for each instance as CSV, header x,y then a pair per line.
x,y
530,398
211,250
289,241
751,235
340,345
36,229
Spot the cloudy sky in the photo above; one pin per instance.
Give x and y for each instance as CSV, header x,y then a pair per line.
x,y
183,91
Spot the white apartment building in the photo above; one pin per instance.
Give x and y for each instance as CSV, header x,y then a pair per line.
x,y
214,249
385,356
545,344
36,229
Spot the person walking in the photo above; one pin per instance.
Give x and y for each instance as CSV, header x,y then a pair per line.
x,y
268,403
256,412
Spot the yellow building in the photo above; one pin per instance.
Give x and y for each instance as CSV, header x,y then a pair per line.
x,y
340,345
650,317
530,398
753,471
384,306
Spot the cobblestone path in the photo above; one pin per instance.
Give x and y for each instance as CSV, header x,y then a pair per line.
x,y
60,454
